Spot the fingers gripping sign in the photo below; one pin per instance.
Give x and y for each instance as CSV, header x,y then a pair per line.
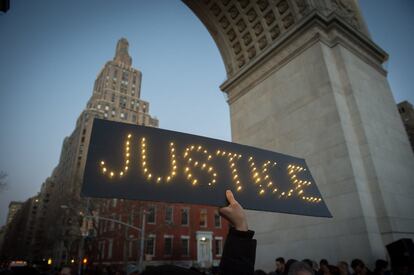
x,y
234,213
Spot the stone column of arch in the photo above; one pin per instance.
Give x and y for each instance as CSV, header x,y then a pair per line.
x,y
304,78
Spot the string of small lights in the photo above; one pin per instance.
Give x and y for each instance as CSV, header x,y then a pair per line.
x,y
262,178
299,184
232,157
151,175
201,165
111,173
260,173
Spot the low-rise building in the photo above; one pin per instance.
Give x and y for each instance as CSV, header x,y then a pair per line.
x,y
180,234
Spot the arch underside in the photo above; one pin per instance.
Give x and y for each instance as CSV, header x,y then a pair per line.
x,y
245,30
296,68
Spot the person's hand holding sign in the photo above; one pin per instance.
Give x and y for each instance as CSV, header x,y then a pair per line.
x,y
239,251
234,213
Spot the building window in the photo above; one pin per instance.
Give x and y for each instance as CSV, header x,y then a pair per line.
x,y
123,88
185,246
134,117
113,97
131,218
217,220
169,215
122,115
125,76
168,243
184,216
130,246
113,112
150,245
110,249
122,102
112,228
100,227
218,246
99,106
151,213
105,226
119,219
101,250
203,217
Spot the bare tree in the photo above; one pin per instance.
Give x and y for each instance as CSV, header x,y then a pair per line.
x,y
3,180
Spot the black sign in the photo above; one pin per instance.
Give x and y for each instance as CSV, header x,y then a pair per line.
x,y
144,163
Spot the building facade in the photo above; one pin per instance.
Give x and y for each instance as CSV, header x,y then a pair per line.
x,y
406,111
116,97
14,206
180,234
19,233
54,224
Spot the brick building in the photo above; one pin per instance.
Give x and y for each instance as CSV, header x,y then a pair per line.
x,y
181,234
53,226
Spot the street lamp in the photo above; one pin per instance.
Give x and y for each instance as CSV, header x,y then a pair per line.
x,y
141,254
83,234
63,235
85,214
141,230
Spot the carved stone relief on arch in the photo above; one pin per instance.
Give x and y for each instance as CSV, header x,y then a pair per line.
x,y
243,29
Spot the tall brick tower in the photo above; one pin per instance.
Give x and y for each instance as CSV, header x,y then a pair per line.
x,y
116,96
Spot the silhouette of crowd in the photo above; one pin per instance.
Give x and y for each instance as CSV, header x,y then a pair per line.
x,y
356,267
239,256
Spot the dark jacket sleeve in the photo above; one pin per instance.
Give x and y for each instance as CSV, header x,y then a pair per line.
x,y
239,253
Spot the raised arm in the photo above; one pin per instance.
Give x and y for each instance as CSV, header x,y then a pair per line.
x,y
239,253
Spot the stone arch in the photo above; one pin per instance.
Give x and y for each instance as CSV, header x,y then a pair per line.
x,y
244,30
304,78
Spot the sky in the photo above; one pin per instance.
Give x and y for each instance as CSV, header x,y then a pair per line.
x,y
51,52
